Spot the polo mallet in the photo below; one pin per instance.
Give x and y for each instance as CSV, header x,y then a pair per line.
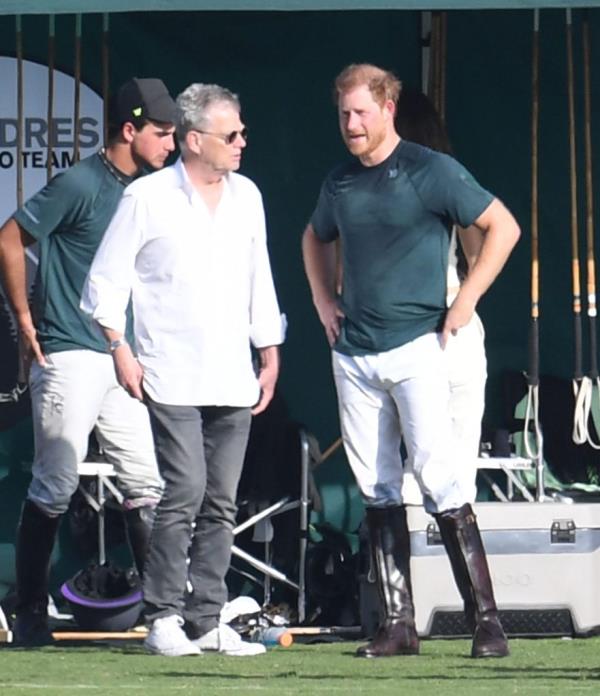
x,y
20,129
436,73
105,72
575,267
583,405
433,77
331,449
534,449
77,89
19,52
442,67
51,56
21,378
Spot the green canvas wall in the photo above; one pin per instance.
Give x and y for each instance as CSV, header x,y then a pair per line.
x,y
489,107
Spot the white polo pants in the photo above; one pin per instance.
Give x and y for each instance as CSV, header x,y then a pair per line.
x,y
399,394
467,374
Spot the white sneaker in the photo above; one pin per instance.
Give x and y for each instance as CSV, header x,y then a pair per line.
x,y
225,640
167,638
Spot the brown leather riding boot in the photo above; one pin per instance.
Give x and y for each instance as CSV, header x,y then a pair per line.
x,y
461,537
390,551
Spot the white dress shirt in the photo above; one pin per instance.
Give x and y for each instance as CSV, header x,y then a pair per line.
x,y
200,284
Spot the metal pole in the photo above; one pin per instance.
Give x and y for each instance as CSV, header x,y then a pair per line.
x,y
101,519
304,507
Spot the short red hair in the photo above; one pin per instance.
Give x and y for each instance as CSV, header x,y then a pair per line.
x,y
382,84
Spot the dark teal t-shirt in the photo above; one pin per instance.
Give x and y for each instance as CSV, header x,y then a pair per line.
x,y
394,221
69,217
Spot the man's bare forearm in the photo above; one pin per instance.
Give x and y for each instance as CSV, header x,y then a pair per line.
x,y
501,233
13,270
320,266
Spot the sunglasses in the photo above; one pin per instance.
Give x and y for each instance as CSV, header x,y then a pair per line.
x,y
228,138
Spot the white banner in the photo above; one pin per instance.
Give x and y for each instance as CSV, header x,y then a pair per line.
x,y
36,130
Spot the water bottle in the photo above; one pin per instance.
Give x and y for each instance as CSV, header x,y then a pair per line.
x,y
274,635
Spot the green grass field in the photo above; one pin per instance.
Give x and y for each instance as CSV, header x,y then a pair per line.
x,y
548,666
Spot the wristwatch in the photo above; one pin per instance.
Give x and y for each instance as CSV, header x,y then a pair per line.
x,y
113,345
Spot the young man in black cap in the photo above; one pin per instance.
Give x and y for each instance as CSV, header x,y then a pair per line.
x,y
71,376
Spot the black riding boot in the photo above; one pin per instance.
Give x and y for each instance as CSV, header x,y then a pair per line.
x,y
138,522
390,549
35,540
461,537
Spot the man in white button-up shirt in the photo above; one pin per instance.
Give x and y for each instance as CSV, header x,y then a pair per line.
x,y
188,246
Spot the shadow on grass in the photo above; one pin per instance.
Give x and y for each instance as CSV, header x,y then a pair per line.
x,y
583,676
537,672
292,674
490,674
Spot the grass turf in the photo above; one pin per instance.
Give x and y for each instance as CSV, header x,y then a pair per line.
x,y
545,666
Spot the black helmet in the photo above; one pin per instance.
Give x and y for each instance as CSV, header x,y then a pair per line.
x,y
104,598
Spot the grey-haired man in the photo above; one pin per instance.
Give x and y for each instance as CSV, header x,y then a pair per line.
x,y
188,244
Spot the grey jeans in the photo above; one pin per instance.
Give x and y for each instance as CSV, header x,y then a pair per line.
x,y
200,453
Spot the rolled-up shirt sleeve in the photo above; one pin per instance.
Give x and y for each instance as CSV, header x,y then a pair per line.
x,y
107,289
267,324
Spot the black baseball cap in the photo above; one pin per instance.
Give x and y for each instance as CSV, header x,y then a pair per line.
x,y
142,99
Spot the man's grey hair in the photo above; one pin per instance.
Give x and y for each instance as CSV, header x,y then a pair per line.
x,y
193,104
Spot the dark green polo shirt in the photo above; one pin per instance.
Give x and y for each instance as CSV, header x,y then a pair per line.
x,y
68,218
394,221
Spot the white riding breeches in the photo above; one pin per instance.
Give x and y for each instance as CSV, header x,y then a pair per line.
x,y
75,393
400,394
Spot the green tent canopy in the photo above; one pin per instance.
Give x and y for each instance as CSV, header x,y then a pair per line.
x,y
80,6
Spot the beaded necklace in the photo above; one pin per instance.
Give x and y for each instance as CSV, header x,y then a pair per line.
x,y
119,176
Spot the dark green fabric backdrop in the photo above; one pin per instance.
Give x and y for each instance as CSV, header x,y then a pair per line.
x,y
282,65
